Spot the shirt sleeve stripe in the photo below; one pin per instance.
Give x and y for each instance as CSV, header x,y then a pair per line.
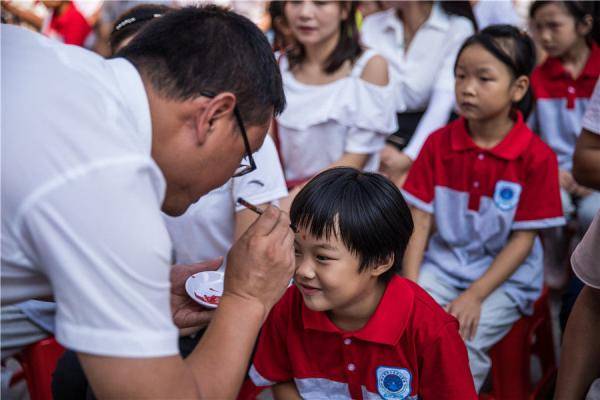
x,y
415,201
540,223
258,379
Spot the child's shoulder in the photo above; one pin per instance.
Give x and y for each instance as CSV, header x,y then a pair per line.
x,y
428,320
538,152
440,138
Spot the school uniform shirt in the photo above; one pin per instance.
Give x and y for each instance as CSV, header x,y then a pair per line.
x,y
410,348
322,122
70,27
424,71
81,198
206,230
561,102
478,197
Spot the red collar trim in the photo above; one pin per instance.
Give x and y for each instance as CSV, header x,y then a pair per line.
x,y
553,67
511,147
385,326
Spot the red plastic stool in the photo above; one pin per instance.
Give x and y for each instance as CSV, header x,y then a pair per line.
x,y
511,357
39,362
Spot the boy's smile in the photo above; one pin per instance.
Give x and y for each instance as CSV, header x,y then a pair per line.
x,y
328,277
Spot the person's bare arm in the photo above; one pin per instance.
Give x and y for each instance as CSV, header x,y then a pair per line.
x,y
25,15
467,307
286,391
586,160
260,266
413,256
580,354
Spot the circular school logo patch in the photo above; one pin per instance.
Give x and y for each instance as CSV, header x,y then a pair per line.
x,y
393,383
506,195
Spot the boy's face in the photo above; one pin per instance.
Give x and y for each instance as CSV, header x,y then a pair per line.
x,y
327,274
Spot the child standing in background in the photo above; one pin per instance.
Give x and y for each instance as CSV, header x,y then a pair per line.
x,y
351,327
568,32
489,184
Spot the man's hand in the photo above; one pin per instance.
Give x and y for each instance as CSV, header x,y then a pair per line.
x,y
186,312
466,308
261,263
394,164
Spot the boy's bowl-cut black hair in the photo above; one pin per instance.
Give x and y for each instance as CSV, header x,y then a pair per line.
x,y
366,211
209,49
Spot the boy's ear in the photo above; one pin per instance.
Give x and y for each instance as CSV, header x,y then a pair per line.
x,y
383,267
519,88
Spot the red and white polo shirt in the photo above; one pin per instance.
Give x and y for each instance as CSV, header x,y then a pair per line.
x,y
478,196
561,102
409,349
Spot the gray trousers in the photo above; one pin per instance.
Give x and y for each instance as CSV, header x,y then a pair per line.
x,y
498,314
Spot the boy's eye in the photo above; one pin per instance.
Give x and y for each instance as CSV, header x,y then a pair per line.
x,y
323,258
486,79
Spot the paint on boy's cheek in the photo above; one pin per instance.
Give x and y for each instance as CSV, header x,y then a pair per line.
x,y
303,237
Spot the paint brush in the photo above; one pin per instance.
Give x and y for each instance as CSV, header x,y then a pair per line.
x,y
257,210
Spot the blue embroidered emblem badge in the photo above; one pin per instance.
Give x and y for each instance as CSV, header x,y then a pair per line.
x,y
506,195
393,383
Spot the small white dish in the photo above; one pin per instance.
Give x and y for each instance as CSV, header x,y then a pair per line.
x,y
206,288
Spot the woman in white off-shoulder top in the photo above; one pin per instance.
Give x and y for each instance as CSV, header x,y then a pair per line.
x,y
340,101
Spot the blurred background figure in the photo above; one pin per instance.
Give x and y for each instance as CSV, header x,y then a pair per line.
x,y
338,110
420,40
493,12
567,31
63,21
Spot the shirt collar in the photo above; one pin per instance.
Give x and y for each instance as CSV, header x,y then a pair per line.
x,y
385,326
511,147
438,19
555,69
134,97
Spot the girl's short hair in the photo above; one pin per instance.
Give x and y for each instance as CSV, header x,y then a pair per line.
x,y
364,210
514,48
578,10
347,48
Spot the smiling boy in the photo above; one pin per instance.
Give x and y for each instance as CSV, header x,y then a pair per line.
x,y
350,327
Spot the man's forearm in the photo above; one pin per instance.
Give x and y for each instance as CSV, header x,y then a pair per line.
x,y
219,362
580,356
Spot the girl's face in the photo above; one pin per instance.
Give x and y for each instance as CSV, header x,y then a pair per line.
x,y
484,86
327,274
314,22
556,30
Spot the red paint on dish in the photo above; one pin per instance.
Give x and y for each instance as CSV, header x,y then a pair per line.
x,y
214,300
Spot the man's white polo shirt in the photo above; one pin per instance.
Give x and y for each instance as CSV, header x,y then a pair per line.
x,y
81,198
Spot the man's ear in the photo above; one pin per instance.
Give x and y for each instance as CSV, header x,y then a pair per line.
x,y
210,111
383,267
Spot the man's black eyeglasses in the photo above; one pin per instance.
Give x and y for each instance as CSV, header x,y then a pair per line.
x,y
247,165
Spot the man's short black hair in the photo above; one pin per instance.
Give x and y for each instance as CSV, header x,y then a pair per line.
x,y
210,49
366,211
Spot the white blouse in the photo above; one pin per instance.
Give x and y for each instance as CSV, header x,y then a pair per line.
x,y
425,71
322,122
